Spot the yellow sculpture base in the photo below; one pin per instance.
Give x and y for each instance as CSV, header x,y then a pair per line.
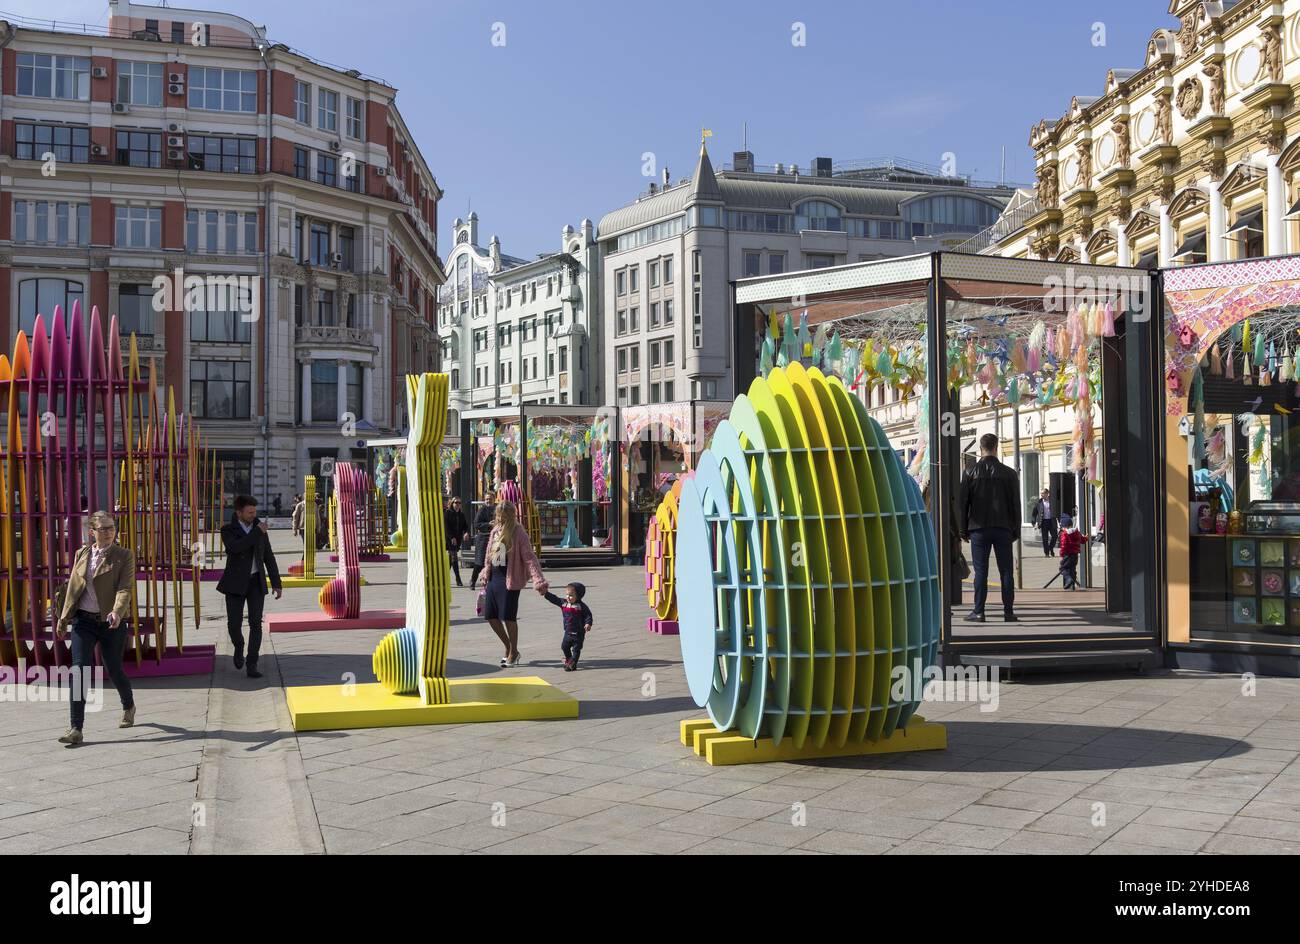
x,y
299,583
394,548
330,707
723,748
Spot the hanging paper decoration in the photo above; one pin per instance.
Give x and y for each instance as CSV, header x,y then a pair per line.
x,y
819,344
805,339
1216,360
1108,321
1259,349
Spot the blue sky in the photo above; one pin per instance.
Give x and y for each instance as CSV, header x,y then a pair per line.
x,y
551,127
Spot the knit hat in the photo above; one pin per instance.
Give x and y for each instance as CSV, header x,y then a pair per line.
x,y
579,589
1067,521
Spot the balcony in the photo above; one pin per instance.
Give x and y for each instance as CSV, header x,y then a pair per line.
x,y
335,335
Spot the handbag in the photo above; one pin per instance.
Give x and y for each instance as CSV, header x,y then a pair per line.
x,y
961,566
478,607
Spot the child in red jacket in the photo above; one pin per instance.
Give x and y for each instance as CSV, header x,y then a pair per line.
x,y
1072,545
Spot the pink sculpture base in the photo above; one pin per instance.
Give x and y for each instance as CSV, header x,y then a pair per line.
x,y
365,558
661,627
206,575
195,660
308,621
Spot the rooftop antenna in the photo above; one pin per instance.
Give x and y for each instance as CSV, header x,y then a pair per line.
x,y
1002,181
744,135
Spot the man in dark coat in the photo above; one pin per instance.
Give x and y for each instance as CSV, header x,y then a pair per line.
x,y
482,531
456,526
1044,518
249,562
988,515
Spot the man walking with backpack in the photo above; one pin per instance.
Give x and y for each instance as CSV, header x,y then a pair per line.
x,y
988,515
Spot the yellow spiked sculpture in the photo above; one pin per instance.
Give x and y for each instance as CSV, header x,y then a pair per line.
x,y
411,663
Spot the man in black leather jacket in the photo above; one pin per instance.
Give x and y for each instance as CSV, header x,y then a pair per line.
x,y
988,514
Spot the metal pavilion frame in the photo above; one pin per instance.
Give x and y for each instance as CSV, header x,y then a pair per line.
x,y
932,284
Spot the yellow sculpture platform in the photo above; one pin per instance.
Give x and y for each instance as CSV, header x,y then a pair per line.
x,y
331,707
724,748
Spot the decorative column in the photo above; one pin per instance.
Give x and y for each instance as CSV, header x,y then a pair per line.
x,y
341,390
1084,258
306,393
1166,237
361,376
1275,208
1124,257
1214,227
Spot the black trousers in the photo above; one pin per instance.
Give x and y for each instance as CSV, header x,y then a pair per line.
x,y
454,554
1048,527
235,622
999,541
572,646
473,575
1069,571
86,631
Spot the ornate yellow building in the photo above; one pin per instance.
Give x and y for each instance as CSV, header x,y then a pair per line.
x,y
1191,158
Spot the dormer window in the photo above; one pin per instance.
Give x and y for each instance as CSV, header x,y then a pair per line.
x,y
818,215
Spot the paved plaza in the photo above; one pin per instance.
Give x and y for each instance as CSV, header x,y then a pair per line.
x,y
1170,762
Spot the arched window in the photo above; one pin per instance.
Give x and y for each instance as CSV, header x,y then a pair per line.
x,y
948,213
818,215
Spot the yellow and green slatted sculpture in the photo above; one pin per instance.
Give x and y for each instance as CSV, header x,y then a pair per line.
x,y
807,575
415,658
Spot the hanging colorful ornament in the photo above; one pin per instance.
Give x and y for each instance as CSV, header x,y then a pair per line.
x,y
1216,360
1260,355
1037,336
805,336
1108,321
1245,370
1173,382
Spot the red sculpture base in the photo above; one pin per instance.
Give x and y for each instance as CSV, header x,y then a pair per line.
x,y
365,558
307,622
661,627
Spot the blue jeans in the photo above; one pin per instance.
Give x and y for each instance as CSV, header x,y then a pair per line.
x,y
86,631
999,541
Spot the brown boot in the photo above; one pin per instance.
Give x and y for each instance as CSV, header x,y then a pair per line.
x,y
128,717
72,738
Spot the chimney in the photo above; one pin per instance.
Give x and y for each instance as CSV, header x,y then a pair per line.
x,y
743,162
666,177
780,168
821,166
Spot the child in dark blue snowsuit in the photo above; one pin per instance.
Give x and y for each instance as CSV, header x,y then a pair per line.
x,y
577,622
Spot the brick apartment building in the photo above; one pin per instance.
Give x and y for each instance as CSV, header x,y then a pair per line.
x,y
186,140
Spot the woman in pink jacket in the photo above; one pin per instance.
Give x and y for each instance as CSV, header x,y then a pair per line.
x,y
509,563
